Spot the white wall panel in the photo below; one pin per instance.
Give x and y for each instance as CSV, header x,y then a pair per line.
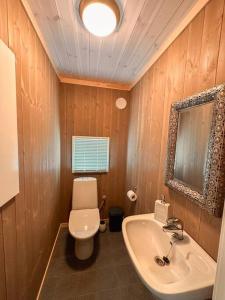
x,y
9,169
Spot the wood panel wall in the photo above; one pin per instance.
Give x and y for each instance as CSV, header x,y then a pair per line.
x,y
194,61
91,111
29,222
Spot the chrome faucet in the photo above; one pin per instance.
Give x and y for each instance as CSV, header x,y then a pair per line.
x,y
175,226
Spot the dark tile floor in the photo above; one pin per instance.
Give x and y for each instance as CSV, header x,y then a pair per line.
x,y
109,274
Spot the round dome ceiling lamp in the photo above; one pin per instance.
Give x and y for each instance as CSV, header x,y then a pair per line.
x,y
100,17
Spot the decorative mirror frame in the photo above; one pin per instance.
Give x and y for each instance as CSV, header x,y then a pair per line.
x,y
212,198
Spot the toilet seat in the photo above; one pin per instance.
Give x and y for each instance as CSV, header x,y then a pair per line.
x,y
84,223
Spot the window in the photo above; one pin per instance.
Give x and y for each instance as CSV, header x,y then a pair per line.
x,y
90,154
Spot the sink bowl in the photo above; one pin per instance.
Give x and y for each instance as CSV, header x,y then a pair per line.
x,y
191,272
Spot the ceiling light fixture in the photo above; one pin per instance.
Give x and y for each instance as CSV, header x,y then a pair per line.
x,y
100,17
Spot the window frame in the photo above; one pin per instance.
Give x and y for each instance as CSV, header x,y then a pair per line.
x,y
91,171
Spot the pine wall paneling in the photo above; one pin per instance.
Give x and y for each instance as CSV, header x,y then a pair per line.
x,y
194,61
2,264
29,222
91,111
4,37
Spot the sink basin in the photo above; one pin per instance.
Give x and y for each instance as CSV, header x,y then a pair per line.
x,y
191,272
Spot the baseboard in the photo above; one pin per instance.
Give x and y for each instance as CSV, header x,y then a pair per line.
x,y
62,225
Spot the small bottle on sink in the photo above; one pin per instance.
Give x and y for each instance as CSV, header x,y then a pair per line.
x,y
161,210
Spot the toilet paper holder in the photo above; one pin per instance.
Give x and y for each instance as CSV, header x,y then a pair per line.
x,y
131,194
134,189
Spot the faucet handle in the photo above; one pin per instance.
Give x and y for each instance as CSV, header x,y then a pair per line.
x,y
176,222
175,226
171,220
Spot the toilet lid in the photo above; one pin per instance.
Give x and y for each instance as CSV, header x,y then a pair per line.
x,y
84,223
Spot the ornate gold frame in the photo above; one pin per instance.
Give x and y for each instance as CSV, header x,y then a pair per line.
x,y
212,198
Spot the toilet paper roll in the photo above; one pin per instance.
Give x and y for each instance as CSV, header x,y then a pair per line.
x,y
131,196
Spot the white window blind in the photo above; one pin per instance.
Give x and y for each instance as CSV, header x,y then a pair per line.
x,y
90,154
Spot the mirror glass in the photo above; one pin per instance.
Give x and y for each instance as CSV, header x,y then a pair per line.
x,y
194,124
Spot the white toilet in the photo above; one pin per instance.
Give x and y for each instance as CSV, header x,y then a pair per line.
x,y
84,218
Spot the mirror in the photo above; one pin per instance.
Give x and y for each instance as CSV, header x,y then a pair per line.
x,y
195,158
192,144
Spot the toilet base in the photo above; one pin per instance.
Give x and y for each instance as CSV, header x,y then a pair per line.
x,y
84,248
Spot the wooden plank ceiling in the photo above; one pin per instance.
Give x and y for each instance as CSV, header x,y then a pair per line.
x,y
120,57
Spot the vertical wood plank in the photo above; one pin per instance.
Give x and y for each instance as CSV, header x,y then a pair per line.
x,y
192,62
191,86
209,227
92,111
210,43
132,147
9,239
174,88
4,37
21,250
2,263
220,78
27,244
3,21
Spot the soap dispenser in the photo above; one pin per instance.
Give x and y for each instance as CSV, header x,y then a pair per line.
x,y
161,210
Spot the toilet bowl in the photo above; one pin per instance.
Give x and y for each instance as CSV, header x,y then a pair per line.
x,y
83,225
84,217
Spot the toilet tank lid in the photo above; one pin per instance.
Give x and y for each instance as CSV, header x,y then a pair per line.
x,y
85,179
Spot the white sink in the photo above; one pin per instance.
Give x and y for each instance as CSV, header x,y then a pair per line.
x,y
191,272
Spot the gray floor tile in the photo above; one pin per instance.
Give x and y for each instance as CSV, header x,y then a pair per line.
x,y
108,274
97,280
120,256
112,294
136,291
86,297
126,275
58,288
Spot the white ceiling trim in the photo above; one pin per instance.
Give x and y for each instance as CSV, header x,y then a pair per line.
x,y
187,19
